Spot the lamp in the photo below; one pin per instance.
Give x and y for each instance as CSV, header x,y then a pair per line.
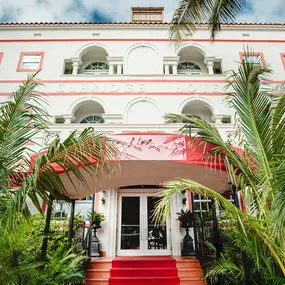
x,y
103,199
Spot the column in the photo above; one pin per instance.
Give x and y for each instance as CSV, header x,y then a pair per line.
x,y
111,69
75,64
166,69
119,69
217,118
210,66
68,118
174,68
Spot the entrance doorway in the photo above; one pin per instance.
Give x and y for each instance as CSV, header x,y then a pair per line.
x,y
137,232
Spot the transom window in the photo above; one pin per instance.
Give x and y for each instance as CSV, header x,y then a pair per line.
x,y
255,58
97,68
92,120
30,61
188,67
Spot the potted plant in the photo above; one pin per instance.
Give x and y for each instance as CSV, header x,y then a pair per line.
x,y
96,220
186,218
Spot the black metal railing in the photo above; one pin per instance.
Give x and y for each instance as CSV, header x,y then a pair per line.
x,y
207,243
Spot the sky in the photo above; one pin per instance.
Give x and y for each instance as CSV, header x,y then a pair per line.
x,y
118,10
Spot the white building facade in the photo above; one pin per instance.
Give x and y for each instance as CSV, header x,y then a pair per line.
x,y
123,78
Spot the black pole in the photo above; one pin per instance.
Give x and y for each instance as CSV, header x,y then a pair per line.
x,y
236,201
93,205
71,222
46,229
195,230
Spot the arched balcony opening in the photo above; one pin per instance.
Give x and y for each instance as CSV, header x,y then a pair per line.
x,y
192,62
199,110
94,62
89,113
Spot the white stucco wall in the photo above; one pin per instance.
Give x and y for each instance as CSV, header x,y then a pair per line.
x,y
138,99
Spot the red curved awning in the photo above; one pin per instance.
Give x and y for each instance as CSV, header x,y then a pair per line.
x,y
151,159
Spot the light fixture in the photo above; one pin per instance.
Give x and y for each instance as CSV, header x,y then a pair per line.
x,y
103,199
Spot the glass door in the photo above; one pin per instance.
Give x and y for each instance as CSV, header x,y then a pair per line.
x,y
129,242
137,232
157,237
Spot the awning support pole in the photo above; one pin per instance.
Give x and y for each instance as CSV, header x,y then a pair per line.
x,y
46,229
71,222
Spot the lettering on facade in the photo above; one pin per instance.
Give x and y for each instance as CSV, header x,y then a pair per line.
x,y
137,146
129,88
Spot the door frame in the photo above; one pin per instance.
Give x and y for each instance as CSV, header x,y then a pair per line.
x,y
143,194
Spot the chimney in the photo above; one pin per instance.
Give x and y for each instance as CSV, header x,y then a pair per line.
x,y
147,14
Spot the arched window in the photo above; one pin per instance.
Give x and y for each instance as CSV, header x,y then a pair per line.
x,y
188,67
97,68
92,120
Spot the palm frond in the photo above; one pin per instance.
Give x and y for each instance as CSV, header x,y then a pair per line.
x,y
212,12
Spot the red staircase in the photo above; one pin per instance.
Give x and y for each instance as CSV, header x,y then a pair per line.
x,y
144,271
147,270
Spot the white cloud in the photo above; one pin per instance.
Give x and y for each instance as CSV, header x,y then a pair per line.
x,y
264,11
117,10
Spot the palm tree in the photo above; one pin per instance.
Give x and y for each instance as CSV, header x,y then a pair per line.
x,y
25,175
212,12
22,118
259,172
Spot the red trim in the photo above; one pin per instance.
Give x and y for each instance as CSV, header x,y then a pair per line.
x,y
1,56
123,81
138,40
134,81
282,55
190,201
241,55
20,69
130,93
44,207
96,206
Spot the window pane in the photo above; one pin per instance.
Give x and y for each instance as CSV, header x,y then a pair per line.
x,y
31,61
252,58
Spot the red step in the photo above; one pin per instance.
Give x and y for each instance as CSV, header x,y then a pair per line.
x,y
144,271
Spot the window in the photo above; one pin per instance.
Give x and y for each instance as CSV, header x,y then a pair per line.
x,y
92,120
68,67
1,56
252,57
97,68
188,68
202,205
30,61
283,59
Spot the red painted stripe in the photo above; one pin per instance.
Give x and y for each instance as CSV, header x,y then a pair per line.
x,y
138,40
190,201
123,81
44,206
133,81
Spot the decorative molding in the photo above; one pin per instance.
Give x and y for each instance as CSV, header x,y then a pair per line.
x,y
49,137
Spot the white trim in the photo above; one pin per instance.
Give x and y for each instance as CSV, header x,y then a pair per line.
x,y
142,99
143,250
84,49
79,102
201,100
137,45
